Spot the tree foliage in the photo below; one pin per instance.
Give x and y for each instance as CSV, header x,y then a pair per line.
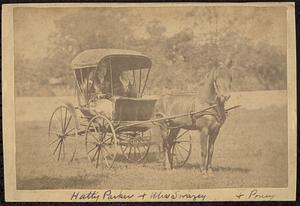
x,y
180,61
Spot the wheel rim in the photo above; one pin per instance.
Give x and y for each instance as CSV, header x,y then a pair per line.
x,y
181,149
100,142
135,145
62,134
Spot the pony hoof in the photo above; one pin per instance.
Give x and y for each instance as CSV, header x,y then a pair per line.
x,y
210,173
205,175
167,168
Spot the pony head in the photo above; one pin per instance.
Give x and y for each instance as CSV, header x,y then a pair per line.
x,y
222,81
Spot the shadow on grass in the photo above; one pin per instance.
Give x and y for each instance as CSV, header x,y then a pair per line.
x,y
59,183
151,157
218,169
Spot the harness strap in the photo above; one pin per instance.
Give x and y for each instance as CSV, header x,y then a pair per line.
x,y
193,109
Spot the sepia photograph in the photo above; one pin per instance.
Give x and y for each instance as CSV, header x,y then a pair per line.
x,y
149,102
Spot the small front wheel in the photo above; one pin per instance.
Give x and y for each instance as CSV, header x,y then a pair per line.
x,y
135,145
100,142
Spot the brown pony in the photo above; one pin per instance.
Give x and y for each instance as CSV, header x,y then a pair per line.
x,y
215,91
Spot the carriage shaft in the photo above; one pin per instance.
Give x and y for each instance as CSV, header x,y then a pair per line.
x,y
154,121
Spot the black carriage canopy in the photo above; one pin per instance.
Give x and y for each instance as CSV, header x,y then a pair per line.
x,y
111,71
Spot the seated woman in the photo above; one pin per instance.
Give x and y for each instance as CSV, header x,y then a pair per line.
x,y
101,103
129,89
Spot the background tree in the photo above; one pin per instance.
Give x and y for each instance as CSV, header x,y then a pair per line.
x,y
180,60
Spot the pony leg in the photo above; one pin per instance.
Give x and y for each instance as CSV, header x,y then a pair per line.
x,y
173,134
166,150
167,163
204,150
211,141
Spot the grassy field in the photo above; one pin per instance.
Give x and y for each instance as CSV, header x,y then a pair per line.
x,y
251,151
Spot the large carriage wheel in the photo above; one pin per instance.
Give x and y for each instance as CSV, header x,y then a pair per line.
x,y
135,145
181,148
62,134
100,142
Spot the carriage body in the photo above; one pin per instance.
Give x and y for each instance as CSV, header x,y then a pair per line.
x,y
109,65
109,88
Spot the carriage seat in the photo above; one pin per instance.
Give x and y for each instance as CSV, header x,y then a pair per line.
x,y
133,109
125,108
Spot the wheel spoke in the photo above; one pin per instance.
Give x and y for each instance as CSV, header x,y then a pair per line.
x,y
110,154
65,120
68,122
139,151
107,139
178,142
95,130
59,150
94,137
134,152
98,158
183,147
56,147
146,147
64,151
95,154
125,149
105,157
179,152
142,143
104,134
129,151
61,120
183,133
67,133
54,141
102,157
92,149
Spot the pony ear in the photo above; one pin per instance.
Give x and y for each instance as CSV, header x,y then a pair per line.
x,y
215,85
216,72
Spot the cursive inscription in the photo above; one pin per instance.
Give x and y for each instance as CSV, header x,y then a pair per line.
x,y
255,194
110,195
177,195
90,196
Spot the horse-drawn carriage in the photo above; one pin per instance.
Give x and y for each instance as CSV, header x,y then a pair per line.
x,y
112,114
109,120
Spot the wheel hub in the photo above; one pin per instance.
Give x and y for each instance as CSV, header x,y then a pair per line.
x,y
61,136
133,141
